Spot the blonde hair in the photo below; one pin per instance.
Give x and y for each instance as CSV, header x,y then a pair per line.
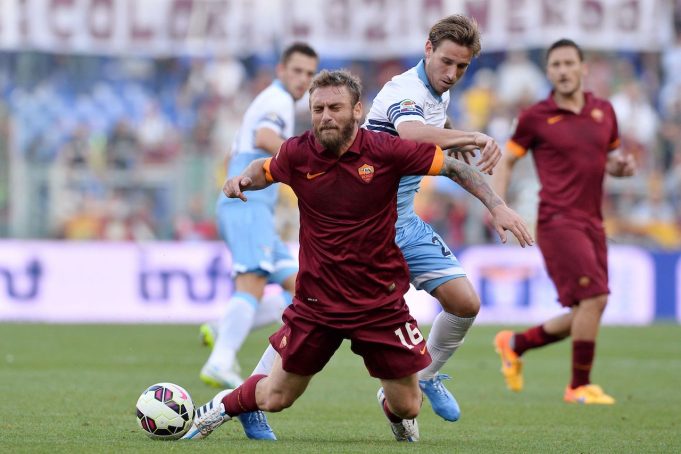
x,y
457,28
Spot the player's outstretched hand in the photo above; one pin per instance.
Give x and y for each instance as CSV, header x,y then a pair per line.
x,y
504,218
491,153
464,153
233,187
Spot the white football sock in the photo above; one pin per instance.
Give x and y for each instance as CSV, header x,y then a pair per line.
x,y
446,335
266,361
269,310
235,326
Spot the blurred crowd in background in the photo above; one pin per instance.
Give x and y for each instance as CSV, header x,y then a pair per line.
x,y
106,148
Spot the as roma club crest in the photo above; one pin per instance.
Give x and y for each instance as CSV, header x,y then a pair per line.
x,y
597,114
366,172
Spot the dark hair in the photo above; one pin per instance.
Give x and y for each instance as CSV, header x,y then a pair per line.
x,y
297,48
339,78
565,43
457,28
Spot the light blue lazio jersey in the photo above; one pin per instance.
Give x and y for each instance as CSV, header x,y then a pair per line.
x,y
407,97
273,108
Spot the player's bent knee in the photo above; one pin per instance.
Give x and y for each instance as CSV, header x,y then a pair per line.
x,y
597,303
458,297
467,305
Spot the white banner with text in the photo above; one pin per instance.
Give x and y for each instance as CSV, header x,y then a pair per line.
x,y
166,282
360,29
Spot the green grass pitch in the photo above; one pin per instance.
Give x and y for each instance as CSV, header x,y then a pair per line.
x,y
73,389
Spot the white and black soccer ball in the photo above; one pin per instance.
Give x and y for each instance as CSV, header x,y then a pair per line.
x,y
165,411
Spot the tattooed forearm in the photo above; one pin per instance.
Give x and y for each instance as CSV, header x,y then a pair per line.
x,y
472,181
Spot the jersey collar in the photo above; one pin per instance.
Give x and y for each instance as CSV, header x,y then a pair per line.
x,y
421,71
588,100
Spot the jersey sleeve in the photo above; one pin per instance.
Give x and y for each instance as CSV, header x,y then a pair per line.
x,y
614,141
523,136
415,158
403,104
278,168
278,116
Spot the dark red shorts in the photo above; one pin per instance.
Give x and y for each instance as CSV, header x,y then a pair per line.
x,y
576,258
392,347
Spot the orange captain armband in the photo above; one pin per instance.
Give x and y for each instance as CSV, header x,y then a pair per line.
x,y
438,162
516,149
266,168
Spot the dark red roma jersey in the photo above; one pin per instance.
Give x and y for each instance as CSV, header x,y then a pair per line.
x,y
349,262
570,152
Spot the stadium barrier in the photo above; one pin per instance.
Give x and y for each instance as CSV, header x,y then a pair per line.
x,y
171,282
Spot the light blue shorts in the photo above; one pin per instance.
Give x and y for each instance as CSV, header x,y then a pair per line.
x,y
250,234
430,261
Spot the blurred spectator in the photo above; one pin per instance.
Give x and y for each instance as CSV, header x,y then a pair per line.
x,y
520,81
86,223
480,100
77,152
599,77
194,224
155,136
225,76
122,147
127,220
638,123
670,130
653,218
671,70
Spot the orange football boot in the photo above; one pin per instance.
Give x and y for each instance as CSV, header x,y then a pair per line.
x,y
511,364
587,394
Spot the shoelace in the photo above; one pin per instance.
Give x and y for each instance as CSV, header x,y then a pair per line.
x,y
437,383
257,418
209,420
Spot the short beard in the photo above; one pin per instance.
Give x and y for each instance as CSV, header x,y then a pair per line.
x,y
334,144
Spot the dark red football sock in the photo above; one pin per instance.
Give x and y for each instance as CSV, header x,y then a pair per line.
x,y
242,399
533,338
391,416
582,359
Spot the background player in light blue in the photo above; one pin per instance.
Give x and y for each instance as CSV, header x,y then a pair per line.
x,y
259,256
414,105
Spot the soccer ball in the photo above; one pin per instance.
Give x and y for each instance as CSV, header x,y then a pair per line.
x,y
165,411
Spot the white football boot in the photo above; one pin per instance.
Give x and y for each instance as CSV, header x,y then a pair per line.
x,y
221,378
208,417
407,430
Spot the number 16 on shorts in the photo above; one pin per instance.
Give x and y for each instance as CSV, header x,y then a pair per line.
x,y
414,336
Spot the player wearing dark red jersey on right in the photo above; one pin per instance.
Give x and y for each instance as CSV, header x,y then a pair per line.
x,y
573,137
